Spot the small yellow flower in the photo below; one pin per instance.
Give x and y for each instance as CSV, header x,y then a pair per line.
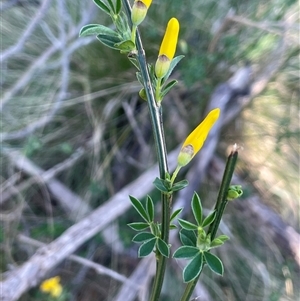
x,y
196,138
52,286
139,11
167,48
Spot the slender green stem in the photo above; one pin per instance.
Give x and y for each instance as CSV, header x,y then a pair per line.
x,y
219,207
222,196
157,126
157,91
175,173
133,33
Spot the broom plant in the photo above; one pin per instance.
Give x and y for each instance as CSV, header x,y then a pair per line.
x,y
197,237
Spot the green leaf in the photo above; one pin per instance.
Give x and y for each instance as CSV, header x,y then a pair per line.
x,y
139,78
214,263
234,192
102,6
143,236
108,41
163,248
139,208
125,46
160,185
118,6
168,87
147,247
173,227
179,185
150,208
187,225
111,5
173,64
122,26
95,29
209,219
197,208
175,214
186,252
138,226
216,243
134,62
223,238
193,269
188,238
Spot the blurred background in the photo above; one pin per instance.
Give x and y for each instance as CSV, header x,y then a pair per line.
x,y
74,133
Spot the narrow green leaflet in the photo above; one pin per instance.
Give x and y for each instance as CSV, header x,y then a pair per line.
x,y
125,46
214,263
162,247
138,226
150,208
147,247
102,6
216,243
188,238
139,78
143,236
108,41
111,5
187,225
118,6
197,208
223,237
175,214
134,61
179,185
209,219
186,252
139,208
161,185
193,269
173,64
168,87
95,29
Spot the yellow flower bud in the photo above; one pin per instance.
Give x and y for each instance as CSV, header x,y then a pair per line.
x,y
167,48
197,137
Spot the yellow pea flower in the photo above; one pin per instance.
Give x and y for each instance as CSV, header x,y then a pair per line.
x,y
196,138
52,286
139,11
167,48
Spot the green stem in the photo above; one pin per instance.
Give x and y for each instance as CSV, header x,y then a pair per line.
x,y
133,33
219,207
222,196
157,91
175,173
157,126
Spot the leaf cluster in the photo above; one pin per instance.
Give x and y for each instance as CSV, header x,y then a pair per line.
x,y
166,186
151,241
197,243
118,39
